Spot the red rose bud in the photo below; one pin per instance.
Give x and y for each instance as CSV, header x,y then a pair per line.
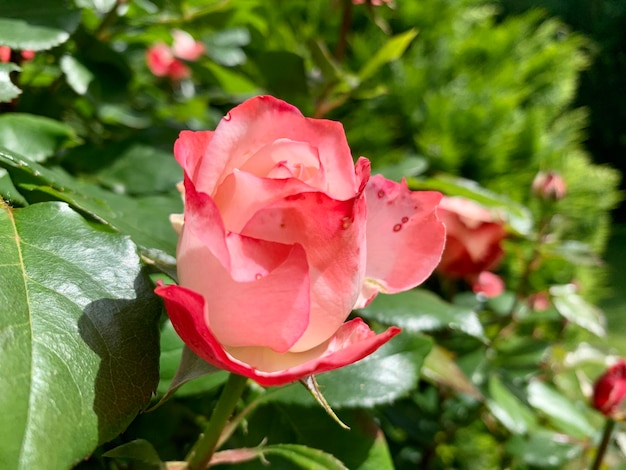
x,y
549,185
610,390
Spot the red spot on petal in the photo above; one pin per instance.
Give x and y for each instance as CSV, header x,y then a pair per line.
x,y
380,194
405,220
397,227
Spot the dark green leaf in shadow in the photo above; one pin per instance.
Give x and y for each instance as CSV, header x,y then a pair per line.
x,y
440,368
305,457
139,449
79,336
544,449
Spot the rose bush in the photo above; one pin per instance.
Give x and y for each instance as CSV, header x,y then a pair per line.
x,y
283,236
473,246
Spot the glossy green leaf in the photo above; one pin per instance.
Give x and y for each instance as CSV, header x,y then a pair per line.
x,y
420,310
144,219
31,25
78,336
78,75
305,457
391,372
562,413
37,137
8,91
577,310
509,409
391,50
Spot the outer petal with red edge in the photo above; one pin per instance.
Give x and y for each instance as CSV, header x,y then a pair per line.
x,y
352,342
405,238
190,148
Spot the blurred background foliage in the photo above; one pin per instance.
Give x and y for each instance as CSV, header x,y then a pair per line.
x,y
469,97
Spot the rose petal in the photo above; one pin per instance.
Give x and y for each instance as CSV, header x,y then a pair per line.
x,y
405,238
332,234
257,291
242,194
352,342
190,148
264,119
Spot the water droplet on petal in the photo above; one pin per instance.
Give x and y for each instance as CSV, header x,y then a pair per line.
x,y
345,222
405,220
380,194
228,117
258,276
397,227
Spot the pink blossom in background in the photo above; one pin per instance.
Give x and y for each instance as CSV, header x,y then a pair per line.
x,y
610,390
473,244
373,2
165,61
283,235
549,185
185,46
5,53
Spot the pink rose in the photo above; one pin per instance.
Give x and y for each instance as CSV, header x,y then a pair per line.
x,y
282,237
185,46
164,61
610,390
473,244
5,54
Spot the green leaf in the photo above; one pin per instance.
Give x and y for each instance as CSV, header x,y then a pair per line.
x,y
386,375
580,312
37,137
139,449
284,74
33,25
8,91
509,409
78,76
141,169
305,457
439,367
79,337
391,50
420,310
563,414
144,219
544,449
232,82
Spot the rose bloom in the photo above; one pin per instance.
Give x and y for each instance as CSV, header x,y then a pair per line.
x,y
283,236
610,390
473,244
164,61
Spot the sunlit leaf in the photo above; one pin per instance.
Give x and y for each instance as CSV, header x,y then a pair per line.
x,y
78,329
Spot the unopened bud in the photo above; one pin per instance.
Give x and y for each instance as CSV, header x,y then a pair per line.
x,y
549,185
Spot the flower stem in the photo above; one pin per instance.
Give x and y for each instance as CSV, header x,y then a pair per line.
x,y
202,451
604,444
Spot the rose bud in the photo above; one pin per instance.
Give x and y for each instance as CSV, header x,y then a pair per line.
x,y
283,235
473,244
610,390
549,185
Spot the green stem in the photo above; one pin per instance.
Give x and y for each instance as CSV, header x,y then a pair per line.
x,y
202,451
604,444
